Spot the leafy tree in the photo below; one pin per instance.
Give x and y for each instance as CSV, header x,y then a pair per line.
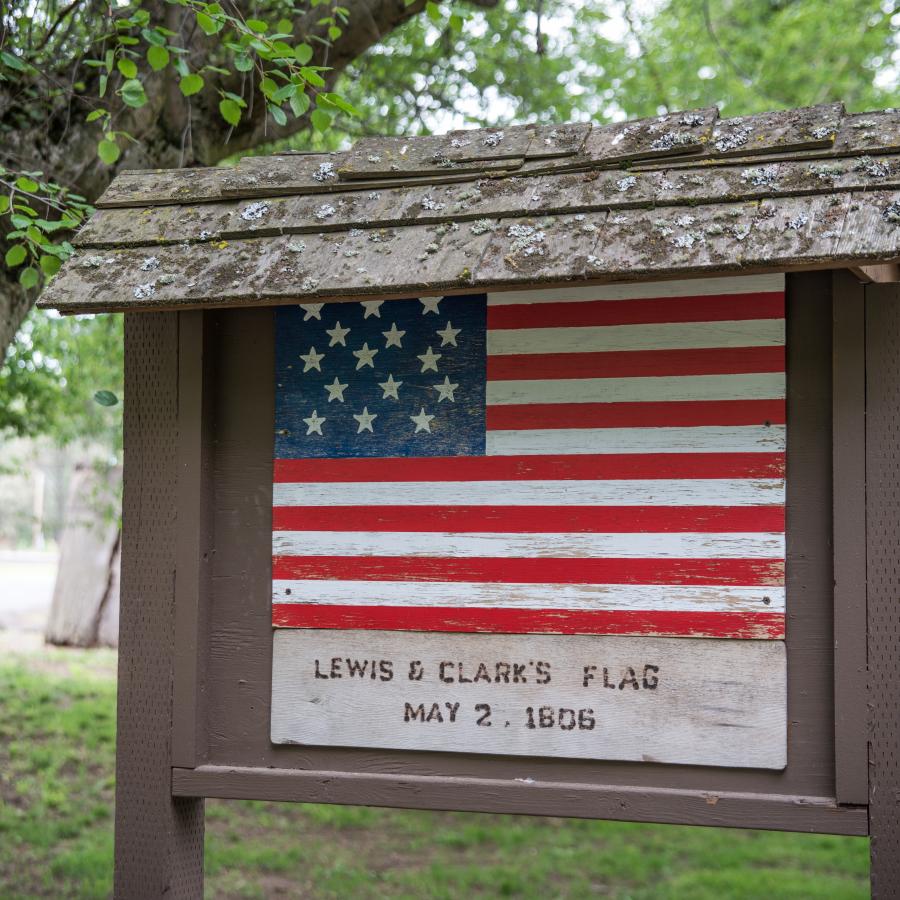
x,y
87,89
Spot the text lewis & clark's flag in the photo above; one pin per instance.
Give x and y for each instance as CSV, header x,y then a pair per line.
x,y
608,461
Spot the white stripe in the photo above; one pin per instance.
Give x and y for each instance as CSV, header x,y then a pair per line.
x,y
700,287
706,439
637,492
755,386
704,598
529,546
658,336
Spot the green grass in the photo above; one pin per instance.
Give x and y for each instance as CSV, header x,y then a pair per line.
x,y
57,742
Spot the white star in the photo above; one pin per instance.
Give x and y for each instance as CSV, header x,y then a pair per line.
x,y
335,390
429,360
372,308
314,423
313,311
337,335
365,419
423,421
429,304
390,388
365,357
448,335
393,336
445,390
312,359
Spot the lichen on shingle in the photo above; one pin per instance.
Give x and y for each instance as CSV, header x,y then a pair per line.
x,y
527,239
254,211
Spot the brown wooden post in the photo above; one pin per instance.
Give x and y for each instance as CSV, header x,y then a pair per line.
x,y
159,838
883,569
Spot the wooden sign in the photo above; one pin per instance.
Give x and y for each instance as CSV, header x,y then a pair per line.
x,y
673,700
606,462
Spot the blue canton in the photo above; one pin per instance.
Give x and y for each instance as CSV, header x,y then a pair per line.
x,y
381,378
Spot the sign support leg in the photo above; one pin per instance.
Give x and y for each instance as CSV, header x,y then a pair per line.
x,y
159,838
883,583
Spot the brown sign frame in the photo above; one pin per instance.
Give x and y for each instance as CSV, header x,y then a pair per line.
x,y
195,614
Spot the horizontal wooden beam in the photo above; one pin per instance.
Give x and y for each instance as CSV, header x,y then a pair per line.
x,y
885,273
525,796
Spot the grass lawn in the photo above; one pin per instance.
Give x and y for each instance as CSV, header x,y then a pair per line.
x,y
57,727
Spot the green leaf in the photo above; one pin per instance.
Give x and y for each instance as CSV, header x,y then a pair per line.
x,y
152,36
158,57
285,92
95,114
191,84
230,111
268,87
26,184
237,99
104,78
207,24
106,398
257,25
108,61
19,221
13,61
286,26
16,255
127,68
132,92
35,235
49,265
341,103
29,277
299,104
278,114
433,11
334,32
310,75
4,204
321,120
243,63
303,53
108,151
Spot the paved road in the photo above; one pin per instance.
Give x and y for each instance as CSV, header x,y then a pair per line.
x,y
26,588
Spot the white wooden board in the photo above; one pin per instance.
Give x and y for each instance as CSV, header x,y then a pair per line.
x,y
671,700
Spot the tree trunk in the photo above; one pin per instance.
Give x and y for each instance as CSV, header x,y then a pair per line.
x,y
84,611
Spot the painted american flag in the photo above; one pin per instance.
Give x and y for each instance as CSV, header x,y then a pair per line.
x,y
591,460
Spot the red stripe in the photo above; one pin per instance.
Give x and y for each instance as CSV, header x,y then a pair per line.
x,y
530,519
530,621
705,308
636,363
521,570
551,468
635,415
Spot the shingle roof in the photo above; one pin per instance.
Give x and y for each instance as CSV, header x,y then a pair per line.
x,y
684,193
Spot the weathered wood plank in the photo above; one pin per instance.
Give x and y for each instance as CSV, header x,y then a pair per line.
x,y
147,188
788,129
794,231
524,796
689,701
858,134
671,134
585,192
